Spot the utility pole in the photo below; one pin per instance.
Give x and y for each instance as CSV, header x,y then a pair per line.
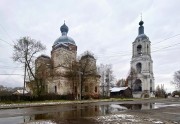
x,y
103,83
25,66
107,81
80,97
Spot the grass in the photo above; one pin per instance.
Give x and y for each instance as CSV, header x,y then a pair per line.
x,y
70,101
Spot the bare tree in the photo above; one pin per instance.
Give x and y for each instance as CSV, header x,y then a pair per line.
x,y
132,76
121,83
80,72
160,91
24,52
73,74
107,78
41,74
176,80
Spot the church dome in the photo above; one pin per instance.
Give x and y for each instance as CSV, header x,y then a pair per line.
x,y
141,34
64,39
64,28
142,37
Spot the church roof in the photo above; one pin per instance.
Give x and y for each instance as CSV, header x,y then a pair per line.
x,y
142,36
117,89
64,38
44,56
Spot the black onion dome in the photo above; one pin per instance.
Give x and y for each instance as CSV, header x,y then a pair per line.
x,y
64,28
141,23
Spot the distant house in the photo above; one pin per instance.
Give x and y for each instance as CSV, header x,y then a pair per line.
x,y
20,92
123,92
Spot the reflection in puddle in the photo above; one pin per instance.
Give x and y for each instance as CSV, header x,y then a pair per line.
x,y
77,113
145,106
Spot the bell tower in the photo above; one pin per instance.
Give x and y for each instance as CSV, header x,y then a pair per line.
x,y
142,79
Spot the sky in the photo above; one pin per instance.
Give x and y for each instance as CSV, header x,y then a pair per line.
x,y
107,28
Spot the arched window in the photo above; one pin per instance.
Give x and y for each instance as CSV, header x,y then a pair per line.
x,y
95,89
147,49
138,67
137,86
55,89
150,85
139,50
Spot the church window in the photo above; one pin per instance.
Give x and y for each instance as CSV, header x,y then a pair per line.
x,y
86,88
150,85
75,89
139,50
46,88
55,89
96,108
138,67
147,49
96,89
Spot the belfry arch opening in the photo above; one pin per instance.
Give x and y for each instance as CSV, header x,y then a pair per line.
x,y
138,67
137,86
139,50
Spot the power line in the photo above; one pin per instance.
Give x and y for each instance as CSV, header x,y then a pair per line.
x,y
6,42
118,55
121,53
166,39
174,45
12,74
7,33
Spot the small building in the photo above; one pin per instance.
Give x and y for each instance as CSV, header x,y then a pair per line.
x,y
123,92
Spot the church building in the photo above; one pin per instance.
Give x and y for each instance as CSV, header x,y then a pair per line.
x,y
63,74
141,79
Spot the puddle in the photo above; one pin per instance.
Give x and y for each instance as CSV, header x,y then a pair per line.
x,y
162,105
77,113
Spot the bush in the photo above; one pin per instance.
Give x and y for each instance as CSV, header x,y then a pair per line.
x,y
17,98
160,92
146,95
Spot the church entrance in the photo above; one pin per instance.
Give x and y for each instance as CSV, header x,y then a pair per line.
x,y
137,86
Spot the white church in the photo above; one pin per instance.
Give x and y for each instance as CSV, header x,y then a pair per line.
x,y
141,79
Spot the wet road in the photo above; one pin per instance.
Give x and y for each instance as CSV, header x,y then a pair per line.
x,y
163,111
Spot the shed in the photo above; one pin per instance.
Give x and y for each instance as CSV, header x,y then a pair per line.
x,y
123,92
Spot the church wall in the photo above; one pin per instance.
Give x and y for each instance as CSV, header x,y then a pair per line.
x,y
63,86
63,57
89,87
